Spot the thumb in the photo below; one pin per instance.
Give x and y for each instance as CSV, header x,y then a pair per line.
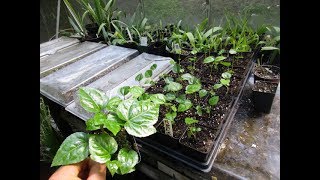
x,y
97,171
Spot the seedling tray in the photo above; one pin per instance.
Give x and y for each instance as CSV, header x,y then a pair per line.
x,y
204,166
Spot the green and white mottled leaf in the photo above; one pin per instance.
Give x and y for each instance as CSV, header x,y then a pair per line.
x,y
92,100
127,159
217,86
136,91
199,110
113,124
220,58
181,98
226,75
188,77
174,108
158,98
170,96
203,93
173,86
113,103
213,100
232,51
113,166
192,88
208,59
185,106
140,116
101,147
124,90
225,82
72,150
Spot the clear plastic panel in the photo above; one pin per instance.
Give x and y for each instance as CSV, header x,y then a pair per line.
x,y
123,76
67,56
60,85
51,47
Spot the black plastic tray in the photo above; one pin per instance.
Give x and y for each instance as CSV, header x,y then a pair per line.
x,y
202,166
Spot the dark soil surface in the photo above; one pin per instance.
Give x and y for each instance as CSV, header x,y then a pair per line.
x,y
203,141
178,129
267,72
265,87
213,118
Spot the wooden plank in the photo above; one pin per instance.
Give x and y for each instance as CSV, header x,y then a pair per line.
x,y
123,76
67,56
60,85
53,46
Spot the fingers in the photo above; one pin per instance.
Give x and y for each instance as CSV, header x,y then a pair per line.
x,y
69,171
98,171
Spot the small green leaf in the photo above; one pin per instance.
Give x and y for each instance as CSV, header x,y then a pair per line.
x,y
171,116
168,80
181,98
158,98
185,106
148,73
127,159
72,150
232,51
225,82
199,110
113,103
188,77
153,67
92,100
192,88
173,86
124,90
227,64
203,93
174,108
177,68
213,100
217,86
95,122
221,51
208,59
220,58
139,77
170,96
226,75
101,146
113,166
190,121
113,123
136,91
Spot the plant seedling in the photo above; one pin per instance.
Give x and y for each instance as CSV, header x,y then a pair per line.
x,y
192,129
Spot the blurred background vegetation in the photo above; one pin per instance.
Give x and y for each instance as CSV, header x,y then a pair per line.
x,y
191,12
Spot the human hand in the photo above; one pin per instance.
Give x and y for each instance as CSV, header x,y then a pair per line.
x,y
86,169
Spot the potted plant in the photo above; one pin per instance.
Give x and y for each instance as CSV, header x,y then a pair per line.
x,y
263,93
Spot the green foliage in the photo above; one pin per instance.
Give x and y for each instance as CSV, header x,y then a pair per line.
x,y
214,100
192,129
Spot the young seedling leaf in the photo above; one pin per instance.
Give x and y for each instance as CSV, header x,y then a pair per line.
x,y
101,146
213,100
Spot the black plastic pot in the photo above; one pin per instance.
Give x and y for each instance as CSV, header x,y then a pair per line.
x,y
92,29
130,45
143,49
274,69
262,101
157,48
176,57
171,142
192,152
